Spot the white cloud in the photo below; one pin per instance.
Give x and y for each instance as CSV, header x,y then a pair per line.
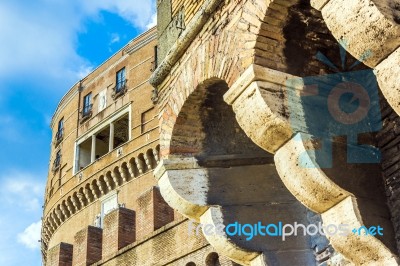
x,y
39,38
114,38
22,190
30,236
84,71
138,13
153,21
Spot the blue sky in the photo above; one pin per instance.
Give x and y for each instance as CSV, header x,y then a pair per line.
x,y
45,47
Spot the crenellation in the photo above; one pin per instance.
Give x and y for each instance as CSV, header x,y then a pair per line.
x,y
119,231
60,255
87,246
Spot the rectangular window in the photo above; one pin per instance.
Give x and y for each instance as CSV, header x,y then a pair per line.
x,y
87,105
61,125
120,80
57,161
107,205
103,139
60,131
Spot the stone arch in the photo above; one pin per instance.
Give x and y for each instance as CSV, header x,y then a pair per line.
x,y
290,36
141,164
76,202
115,173
133,169
95,189
191,264
82,197
98,187
372,34
156,153
255,60
71,206
209,156
103,184
58,213
110,181
64,209
206,126
150,159
53,222
124,172
89,193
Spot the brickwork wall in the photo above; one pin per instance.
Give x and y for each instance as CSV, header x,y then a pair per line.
x,y
127,195
389,143
165,247
291,35
87,246
153,212
65,213
138,67
60,255
206,256
189,8
174,16
163,213
119,231
286,37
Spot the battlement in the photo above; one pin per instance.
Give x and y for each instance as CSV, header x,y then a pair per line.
x,y
121,227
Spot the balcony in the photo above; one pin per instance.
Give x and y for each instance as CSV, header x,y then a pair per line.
x,y
59,137
56,163
86,112
119,89
124,164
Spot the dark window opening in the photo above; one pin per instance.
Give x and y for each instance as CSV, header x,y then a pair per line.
x,y
87,106
60,131
120,87
121,131
57,161
104,141
84,152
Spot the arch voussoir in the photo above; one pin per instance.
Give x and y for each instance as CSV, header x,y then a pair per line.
x,y
250,59
370,31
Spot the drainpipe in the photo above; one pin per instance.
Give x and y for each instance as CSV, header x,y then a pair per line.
x,y
80,88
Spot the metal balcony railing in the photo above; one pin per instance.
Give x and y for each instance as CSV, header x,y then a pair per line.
x,y
119,89
57,163
86,112
59,136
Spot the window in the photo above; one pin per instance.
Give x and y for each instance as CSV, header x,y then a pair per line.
x,y
87,105
107,205
60,131
120,81
103,139
57,161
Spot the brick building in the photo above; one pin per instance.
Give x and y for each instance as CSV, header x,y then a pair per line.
x,y
245,120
